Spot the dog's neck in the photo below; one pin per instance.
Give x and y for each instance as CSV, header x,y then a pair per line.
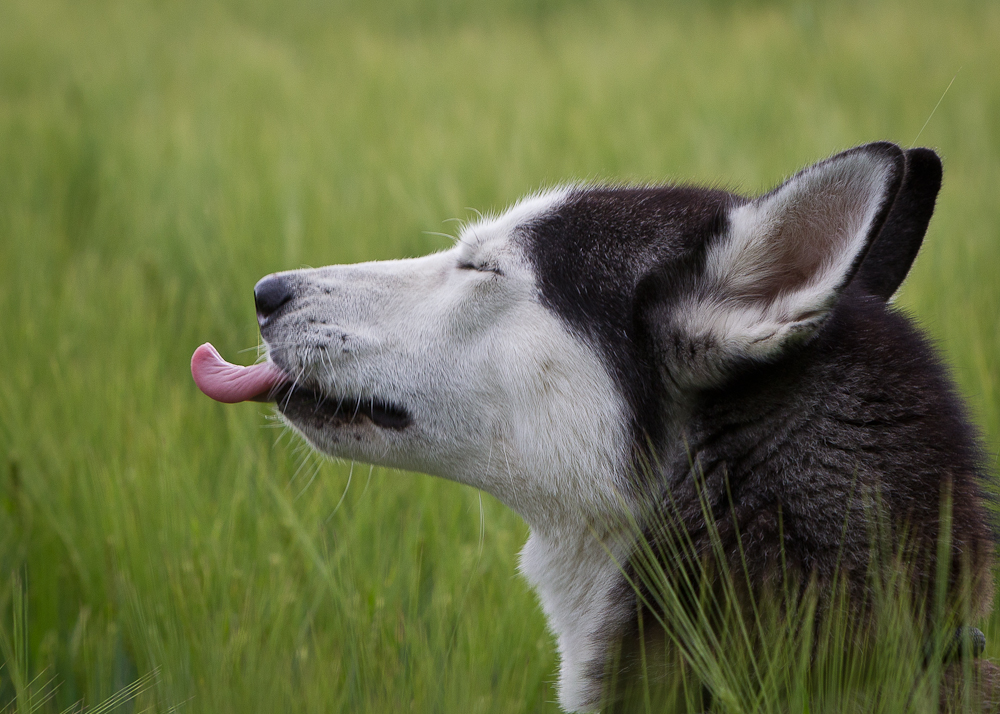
x,y
578,575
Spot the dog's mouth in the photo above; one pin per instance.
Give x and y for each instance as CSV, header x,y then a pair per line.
x,y
309,406
230,383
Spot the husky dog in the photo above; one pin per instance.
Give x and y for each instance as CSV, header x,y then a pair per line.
x,y
596,353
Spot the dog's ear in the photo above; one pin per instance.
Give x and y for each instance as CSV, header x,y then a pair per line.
x,y
776,270
893,251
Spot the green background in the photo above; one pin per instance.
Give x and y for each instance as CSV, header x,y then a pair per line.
x,y
158,158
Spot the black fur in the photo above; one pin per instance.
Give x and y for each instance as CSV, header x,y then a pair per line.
x,y
890,257
865,411
593,255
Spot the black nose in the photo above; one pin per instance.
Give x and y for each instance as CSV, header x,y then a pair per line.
x,y
269,294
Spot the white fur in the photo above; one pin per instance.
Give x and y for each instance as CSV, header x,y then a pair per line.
x,y
577,577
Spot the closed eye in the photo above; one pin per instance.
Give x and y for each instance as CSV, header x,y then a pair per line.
x,y
480,267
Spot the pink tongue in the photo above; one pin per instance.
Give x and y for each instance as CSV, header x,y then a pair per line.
x,y
231,383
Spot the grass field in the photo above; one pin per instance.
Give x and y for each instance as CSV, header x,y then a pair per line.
x,y
157,158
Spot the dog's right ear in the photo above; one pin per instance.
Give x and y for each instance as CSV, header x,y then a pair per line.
x,y
891,255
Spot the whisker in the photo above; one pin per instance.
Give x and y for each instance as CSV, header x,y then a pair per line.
x,y
482,527
371,467
449,236
350,475
315,473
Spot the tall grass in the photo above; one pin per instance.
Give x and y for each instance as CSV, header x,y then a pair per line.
x,y
713,637
157,158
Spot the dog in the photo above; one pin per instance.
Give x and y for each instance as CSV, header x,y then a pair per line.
x,y
598,352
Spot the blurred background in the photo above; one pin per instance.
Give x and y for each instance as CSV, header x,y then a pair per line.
x,y
161,552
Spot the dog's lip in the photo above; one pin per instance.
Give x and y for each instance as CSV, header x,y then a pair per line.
x,y
303,404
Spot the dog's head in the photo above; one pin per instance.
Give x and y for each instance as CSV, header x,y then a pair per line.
x,y
555,343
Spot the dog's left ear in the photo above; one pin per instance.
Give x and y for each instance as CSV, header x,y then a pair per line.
x,y
892,253
778,268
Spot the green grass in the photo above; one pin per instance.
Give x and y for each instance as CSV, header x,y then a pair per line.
x,y
157,158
